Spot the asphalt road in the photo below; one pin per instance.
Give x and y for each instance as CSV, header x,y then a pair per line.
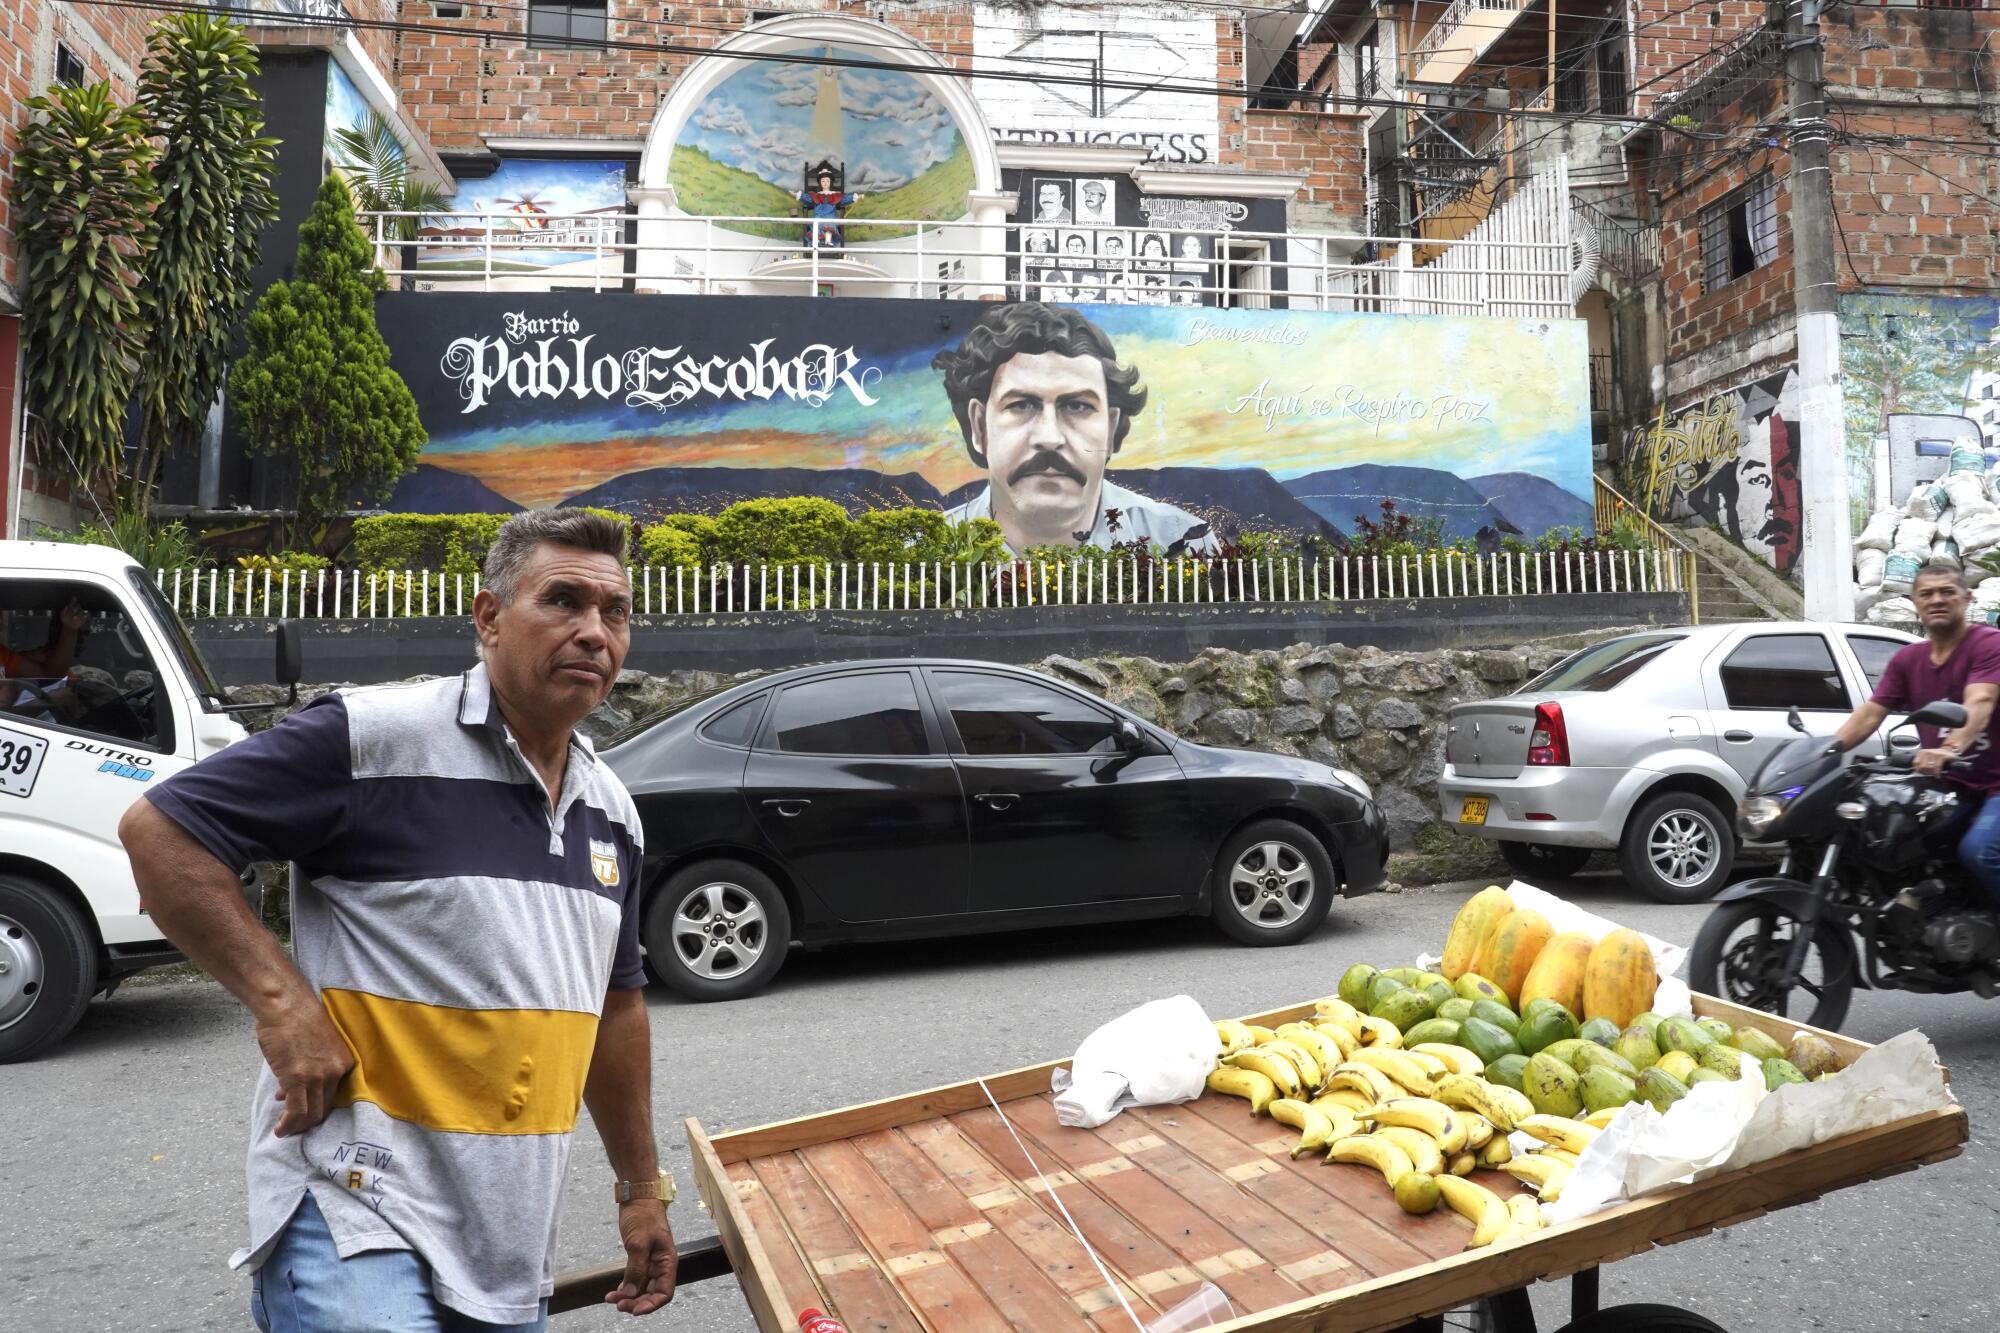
x,y
121,1186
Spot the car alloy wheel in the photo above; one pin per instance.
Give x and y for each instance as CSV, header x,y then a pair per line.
x,y
719,931
1683,846
1271,884
20,971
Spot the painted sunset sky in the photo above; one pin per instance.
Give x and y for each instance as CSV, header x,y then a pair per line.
x,y
1288,392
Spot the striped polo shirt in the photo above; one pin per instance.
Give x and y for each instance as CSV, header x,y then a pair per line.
x,y
461,930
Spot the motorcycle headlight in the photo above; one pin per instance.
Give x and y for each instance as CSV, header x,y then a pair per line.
x,y
1758,813
1355,782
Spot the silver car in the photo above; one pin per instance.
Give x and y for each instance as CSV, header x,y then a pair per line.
x,y
1645,744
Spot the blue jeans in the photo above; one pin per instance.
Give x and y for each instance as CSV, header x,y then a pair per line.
x,y
304,1286
1979,849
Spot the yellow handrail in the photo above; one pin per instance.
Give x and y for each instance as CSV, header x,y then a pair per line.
x,y
1612,506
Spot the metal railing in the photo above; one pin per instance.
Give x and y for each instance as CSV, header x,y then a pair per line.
x,y
1613,508
1454,18
1526,271
1625,245
312,13
1112,580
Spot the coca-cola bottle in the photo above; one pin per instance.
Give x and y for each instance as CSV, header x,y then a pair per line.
x,y
819,1321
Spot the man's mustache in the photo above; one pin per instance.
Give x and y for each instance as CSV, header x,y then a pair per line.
x,y
1051,463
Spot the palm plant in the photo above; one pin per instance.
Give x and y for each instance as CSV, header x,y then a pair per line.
x,y
376,167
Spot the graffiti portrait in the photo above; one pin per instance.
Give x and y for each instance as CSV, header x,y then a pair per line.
x,y
1065,421
1733,461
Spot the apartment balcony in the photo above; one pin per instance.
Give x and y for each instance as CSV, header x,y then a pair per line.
x,y
291,13
1462,36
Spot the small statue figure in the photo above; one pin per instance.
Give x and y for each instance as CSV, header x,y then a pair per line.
x,y
826,204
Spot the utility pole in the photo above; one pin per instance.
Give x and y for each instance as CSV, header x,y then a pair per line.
x,y
1826,542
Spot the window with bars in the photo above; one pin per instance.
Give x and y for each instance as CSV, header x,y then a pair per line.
x,y
568,24
70,68
1739,235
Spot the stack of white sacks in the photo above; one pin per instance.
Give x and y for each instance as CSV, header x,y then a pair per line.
x,y
1952,521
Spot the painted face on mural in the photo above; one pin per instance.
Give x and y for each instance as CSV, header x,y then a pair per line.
x,y
1046,430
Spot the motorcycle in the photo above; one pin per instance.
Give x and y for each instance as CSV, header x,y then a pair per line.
x,y
1870,892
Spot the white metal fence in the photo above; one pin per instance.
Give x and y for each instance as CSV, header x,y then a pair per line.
x,y
1518,263
850,586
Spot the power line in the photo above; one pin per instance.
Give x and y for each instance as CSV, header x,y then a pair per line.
x,y
1217,90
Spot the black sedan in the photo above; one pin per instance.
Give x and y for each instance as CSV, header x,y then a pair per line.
x,y
880,800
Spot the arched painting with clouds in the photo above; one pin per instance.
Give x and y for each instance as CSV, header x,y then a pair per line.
x,y
744,148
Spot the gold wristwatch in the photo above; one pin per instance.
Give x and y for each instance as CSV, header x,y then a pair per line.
x,y
661,1189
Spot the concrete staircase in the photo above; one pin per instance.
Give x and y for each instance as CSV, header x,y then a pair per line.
x,y
1734,586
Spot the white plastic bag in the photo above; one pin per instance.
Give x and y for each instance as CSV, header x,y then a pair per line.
x,y
1899,571
1977,529
1880,534
1965,488
1944,551
1868,564
1915,534
1894,612
1927,501
1159,1053
1866,597
1966,459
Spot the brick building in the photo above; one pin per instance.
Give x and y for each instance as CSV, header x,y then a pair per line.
x,y
41,42
1914,98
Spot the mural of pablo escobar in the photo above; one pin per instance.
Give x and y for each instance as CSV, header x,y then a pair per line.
x,y
1043,405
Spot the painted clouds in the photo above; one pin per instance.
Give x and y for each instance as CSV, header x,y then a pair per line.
x,y
761,120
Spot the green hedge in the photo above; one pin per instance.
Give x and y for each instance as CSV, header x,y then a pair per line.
x,y
446,543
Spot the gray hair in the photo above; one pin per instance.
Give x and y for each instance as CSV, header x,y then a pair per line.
x,y
1938,569
518,537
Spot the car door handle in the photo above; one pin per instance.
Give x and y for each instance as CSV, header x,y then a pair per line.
x,y
788,806
1738,736
997,800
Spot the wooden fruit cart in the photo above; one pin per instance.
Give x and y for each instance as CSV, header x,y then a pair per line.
x,y
922,1213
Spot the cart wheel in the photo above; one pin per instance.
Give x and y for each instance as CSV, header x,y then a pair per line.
x,y
1643,1319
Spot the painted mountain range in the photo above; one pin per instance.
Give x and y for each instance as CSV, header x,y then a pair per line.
x,y
1321,504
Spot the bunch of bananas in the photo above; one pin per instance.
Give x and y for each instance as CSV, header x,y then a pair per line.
x,y
1422,1117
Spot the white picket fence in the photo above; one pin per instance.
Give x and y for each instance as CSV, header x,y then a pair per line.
x,y
743,589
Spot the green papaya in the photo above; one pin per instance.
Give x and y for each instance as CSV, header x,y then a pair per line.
x,y
1660,1089
1683,1034
1536,1005
1566,1050
1649,1021
1757,1043
1442,1030
1458,1009
1603,1089
1356,986
1499,1015
1780,1071
1439,991
1381,989
1426,980
1715,1028
1489,1041
1724,1060
1509,1071
1553,1086
1600,1030
1406,975
1546,1027
1706,1075
1475,987
1592,1056
1637,1045
1405,1008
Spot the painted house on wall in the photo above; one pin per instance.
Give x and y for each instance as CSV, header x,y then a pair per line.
x,y
625,302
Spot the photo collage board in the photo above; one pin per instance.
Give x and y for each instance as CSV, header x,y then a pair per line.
x,y
1074,249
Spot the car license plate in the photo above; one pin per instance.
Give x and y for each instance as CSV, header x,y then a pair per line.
x,y
1474,811
20,761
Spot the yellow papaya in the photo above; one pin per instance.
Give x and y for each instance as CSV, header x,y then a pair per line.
x,y
1509,953
1619,979
1469,929
1558,973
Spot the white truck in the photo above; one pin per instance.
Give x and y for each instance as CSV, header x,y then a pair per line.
x,y
102,693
